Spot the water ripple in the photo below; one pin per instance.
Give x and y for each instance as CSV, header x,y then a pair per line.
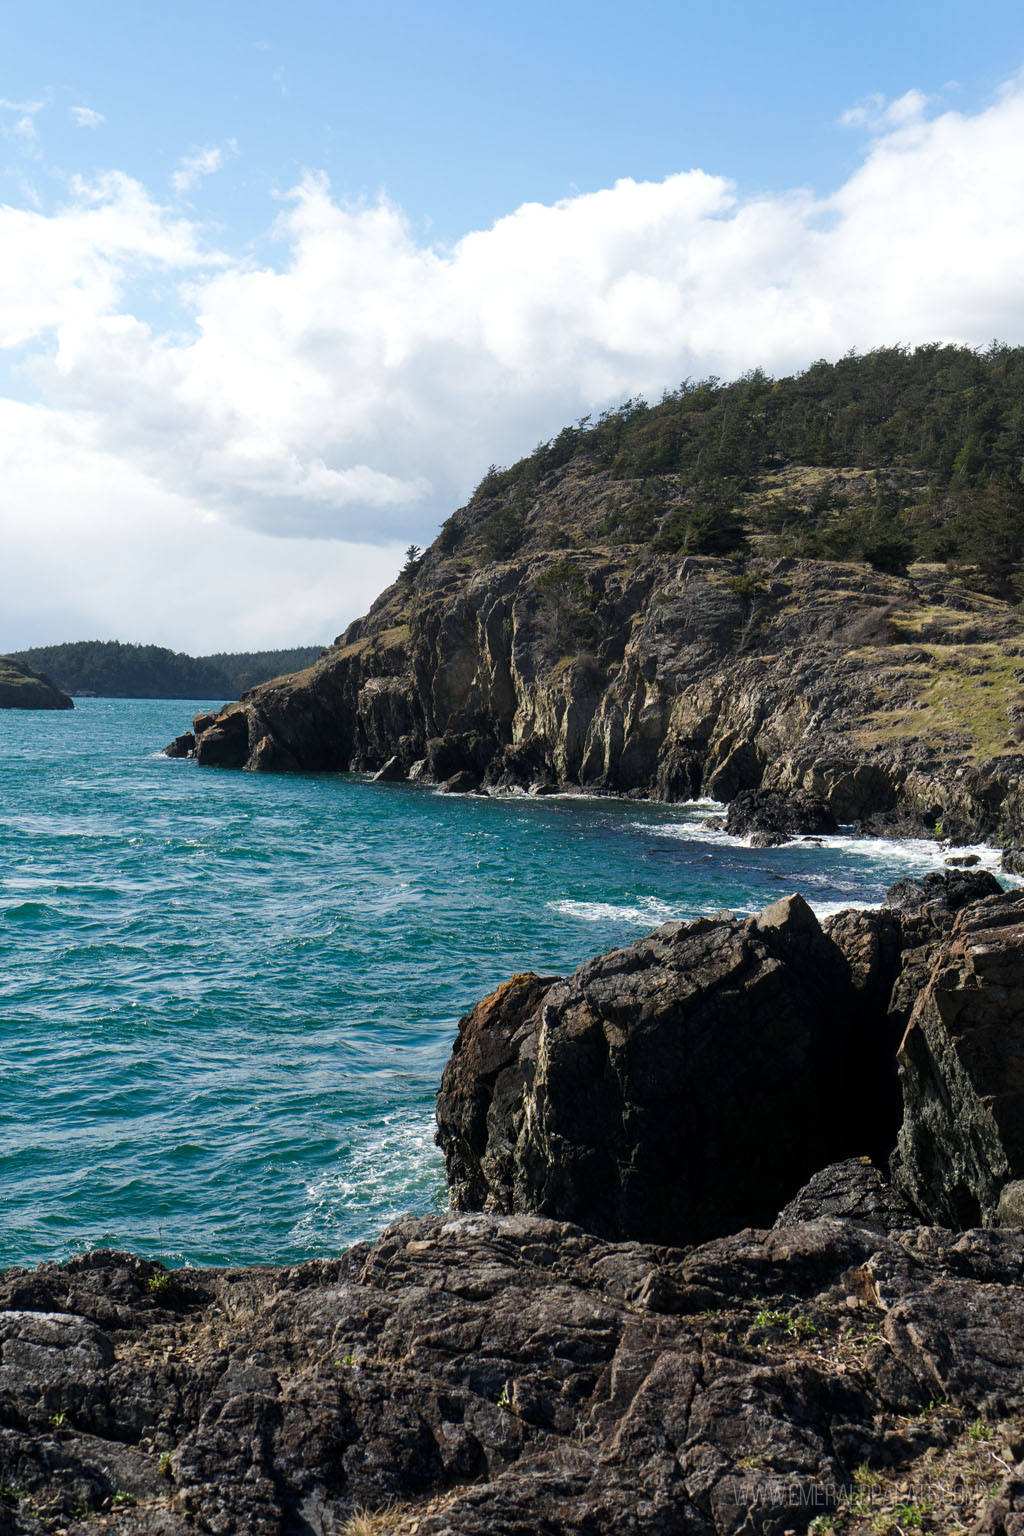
x,y
228,998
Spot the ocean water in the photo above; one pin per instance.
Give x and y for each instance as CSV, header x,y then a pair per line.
x,y
226,999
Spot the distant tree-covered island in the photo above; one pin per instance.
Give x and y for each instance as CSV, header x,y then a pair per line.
x,y
116,669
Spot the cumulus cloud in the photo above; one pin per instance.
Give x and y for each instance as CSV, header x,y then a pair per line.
x,y
86,117
354,387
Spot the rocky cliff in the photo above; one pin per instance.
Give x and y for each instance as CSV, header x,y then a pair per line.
x,y
582,663
22,688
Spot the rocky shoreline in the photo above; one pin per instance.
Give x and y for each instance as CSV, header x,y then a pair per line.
x,y
693,1300
23,688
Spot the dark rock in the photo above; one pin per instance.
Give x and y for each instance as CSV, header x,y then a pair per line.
x,y
1012,861
21,687
963,861
497,1376
673,1090
465,782
182,746
482,1084
769,817
962,1070
393,772
225,742
941,894
854,1190
872,944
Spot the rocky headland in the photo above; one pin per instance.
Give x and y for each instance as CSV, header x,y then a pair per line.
x,y
735,1244
23,688
806,588
893,701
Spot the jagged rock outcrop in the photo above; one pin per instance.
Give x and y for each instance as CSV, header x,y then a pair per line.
x,y
674,1090
491,1375
488,1376
614,668
691,1083
962,1071
22,688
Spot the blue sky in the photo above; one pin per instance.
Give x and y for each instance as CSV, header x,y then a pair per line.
x,y
277,285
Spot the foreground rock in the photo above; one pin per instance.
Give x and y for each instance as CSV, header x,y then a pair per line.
x,y
690,1084
961,1146
674,1090
21,688
486,1376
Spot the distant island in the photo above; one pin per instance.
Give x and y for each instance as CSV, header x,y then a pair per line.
x,y
113,669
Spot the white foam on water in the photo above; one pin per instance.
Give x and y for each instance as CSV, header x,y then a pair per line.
x,y
387,1170
914,854
649,911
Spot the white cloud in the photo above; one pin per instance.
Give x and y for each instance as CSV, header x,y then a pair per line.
x,y
204,162
879,114
94,548
85,117
354,388
62,271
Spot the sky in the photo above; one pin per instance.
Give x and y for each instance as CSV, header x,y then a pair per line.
x,y
277,285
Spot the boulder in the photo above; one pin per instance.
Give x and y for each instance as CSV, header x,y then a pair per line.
x,y
940,895
853,1190
962,1071
224,742
770,817
677,1089
465,782
182,746
393,772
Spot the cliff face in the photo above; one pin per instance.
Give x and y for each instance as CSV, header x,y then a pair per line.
x,y
21,688
613,668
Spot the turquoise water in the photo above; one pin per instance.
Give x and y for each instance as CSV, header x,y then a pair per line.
x,y
226,999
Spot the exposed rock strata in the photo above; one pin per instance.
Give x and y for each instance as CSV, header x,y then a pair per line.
x,y
22,688
886,699
492,1376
